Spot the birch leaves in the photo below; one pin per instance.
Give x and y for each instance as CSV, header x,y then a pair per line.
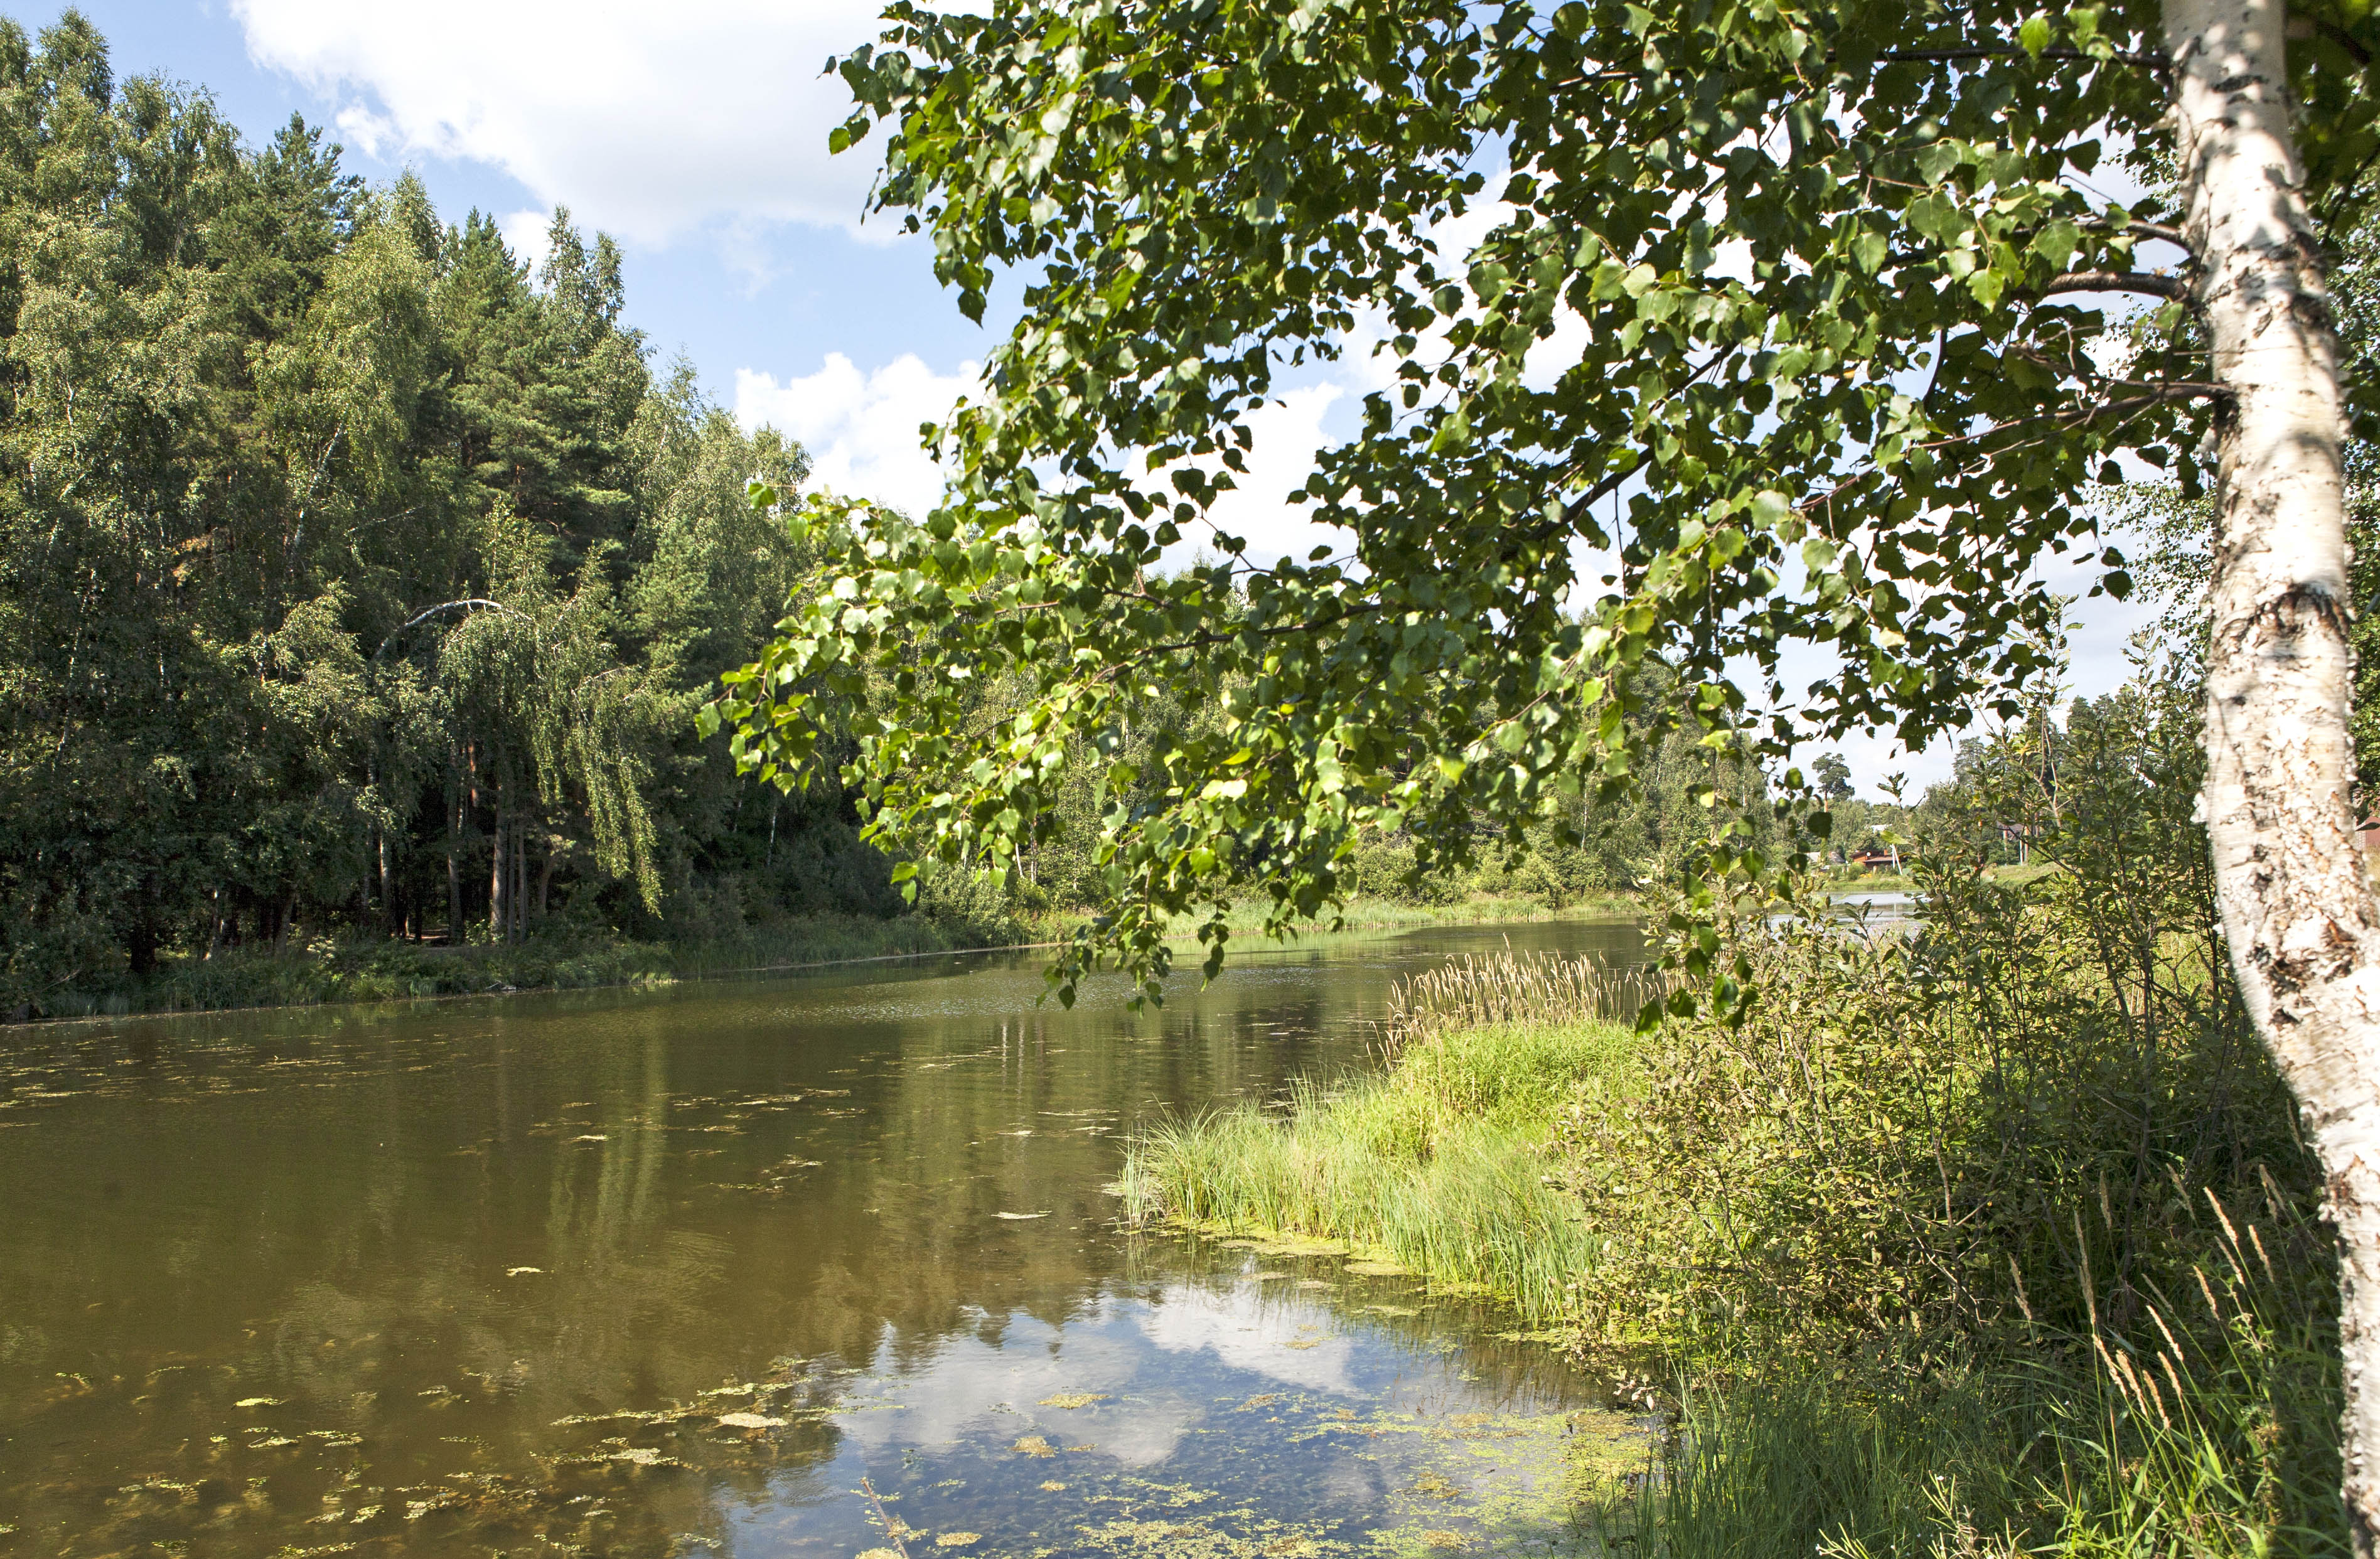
x,y
1782,333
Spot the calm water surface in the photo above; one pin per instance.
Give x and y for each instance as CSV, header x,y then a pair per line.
x,y
800,1267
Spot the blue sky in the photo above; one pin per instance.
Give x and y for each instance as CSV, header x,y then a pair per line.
x,y
694,132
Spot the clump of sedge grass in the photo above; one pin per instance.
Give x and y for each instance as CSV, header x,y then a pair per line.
x,y
1438,1164
2206,1428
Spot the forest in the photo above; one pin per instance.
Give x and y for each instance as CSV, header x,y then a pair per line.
x,y
1725,1163
360,585
355,579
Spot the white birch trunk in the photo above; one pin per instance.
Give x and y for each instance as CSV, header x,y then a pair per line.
x,y
2297,907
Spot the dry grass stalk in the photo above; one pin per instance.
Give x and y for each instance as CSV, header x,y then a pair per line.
x,y
1481,989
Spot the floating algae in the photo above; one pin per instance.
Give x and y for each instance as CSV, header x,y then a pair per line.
x,y
872,1268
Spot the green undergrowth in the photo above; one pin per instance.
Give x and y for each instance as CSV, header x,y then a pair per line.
x,y
1366,915
1995,1236
1438,1164
326,970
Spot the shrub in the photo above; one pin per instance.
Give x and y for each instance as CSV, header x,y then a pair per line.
x,y
1988,1232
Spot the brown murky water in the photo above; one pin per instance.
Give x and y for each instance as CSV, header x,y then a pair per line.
x,y
695,1271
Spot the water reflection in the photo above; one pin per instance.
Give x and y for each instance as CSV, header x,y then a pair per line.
x,y
639,1273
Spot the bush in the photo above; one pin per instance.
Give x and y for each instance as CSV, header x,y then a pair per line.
x,y
1989,1233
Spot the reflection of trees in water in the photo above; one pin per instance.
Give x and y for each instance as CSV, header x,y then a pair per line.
x,y
936,1259
326,1214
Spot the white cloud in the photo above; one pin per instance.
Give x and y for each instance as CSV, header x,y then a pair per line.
x,y
1238,1327
861,429
964,1387
528,234
1288,434
648,121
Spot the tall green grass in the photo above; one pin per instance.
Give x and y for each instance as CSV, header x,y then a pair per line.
x,y
1439,1164
2211,1435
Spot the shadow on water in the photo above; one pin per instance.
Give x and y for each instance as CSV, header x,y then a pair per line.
x,y
672,1272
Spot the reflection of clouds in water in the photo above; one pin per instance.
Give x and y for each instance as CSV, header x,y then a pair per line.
x,y
1351,1485
967,1388
1234,1324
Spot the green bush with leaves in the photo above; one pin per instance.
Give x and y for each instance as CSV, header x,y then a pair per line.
x,y
1990,1229
1892,1151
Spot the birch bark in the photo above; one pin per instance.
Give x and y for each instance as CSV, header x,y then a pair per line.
x,y
2297,906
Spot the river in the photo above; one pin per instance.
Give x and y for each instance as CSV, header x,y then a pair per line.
x,y
800,1266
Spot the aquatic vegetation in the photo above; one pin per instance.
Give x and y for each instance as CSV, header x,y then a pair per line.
x,y
1437,1167
1493,990
685,1352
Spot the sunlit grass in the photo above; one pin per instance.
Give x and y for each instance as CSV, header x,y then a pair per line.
x,y
1438,1164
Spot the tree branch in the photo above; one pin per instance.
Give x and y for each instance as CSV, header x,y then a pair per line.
x,y
2118,281
2345,40
465,604
2154,59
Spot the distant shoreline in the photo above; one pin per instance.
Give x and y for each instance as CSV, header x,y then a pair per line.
x,y
355,973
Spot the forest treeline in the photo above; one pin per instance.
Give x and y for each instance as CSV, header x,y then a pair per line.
x,y
354,578
360,583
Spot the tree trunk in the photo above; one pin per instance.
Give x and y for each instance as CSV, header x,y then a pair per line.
x,y
497,868
2297,909
455,868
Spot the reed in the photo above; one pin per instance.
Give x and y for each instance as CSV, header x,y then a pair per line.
x,y
2206,1428
1481,989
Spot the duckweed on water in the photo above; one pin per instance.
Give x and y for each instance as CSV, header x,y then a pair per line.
x,y
1491,1484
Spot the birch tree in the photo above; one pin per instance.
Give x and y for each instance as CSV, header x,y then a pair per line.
x,y
2279,804
1705,335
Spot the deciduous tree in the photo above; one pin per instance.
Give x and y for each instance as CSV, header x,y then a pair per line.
x,y
1791,327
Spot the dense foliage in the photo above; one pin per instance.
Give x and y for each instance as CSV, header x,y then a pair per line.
x,y
351,577
2001,1221
1984,1233
1778,335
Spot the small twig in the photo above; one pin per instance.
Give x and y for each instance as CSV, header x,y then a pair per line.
x,y
2154,59
2345,40
891,1528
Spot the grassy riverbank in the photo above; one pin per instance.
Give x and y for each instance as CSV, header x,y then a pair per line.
x,y
319,970
1436,1164
1956,1246
326,971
